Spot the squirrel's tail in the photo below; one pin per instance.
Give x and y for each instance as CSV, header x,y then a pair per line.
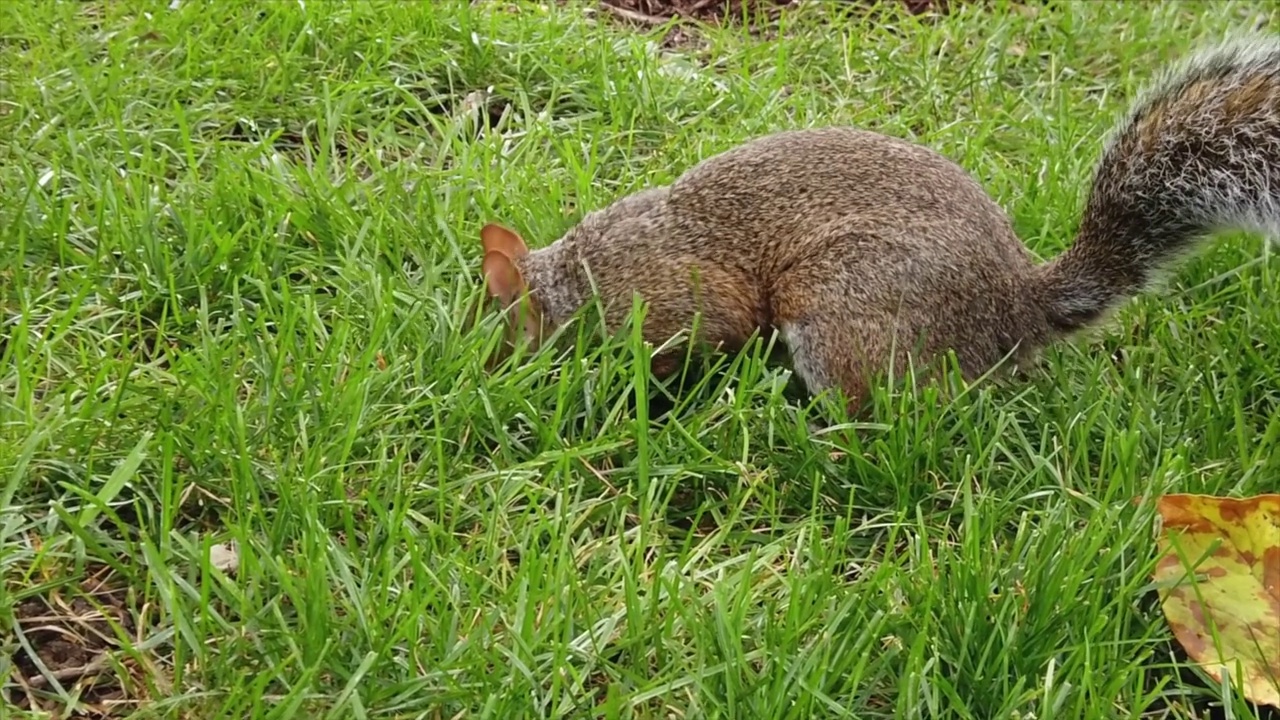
x,y
1198,153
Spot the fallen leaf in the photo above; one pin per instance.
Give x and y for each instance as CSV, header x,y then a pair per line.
x,y
225,557
1220,586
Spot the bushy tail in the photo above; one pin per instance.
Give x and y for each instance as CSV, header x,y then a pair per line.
x,y
1198,153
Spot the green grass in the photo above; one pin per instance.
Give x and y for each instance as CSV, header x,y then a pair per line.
x,y
236,244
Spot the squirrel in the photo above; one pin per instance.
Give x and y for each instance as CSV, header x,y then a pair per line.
x,y
861,249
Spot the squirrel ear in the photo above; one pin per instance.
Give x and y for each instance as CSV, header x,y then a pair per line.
x,y
503,277
497,238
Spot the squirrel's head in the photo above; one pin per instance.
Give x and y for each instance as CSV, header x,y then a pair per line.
x,y
504,250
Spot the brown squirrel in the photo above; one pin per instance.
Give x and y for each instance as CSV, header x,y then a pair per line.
x,y
861,249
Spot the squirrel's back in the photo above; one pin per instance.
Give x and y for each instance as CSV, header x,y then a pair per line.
x,y
800,179
775,196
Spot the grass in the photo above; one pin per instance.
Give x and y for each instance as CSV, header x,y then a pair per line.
x,y
236,244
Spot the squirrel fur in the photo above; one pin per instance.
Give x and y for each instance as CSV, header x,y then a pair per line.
x,y
863,250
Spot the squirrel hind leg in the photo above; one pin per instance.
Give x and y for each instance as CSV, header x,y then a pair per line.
x,y
830,353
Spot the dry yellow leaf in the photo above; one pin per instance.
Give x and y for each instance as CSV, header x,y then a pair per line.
x,y
1220,586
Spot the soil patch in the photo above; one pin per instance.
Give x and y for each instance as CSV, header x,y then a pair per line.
x,y
656,12
68,636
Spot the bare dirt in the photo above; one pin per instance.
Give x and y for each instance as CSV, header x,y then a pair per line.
x,y
73,631
656,12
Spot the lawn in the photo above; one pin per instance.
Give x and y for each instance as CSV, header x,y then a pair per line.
x,y
237,245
